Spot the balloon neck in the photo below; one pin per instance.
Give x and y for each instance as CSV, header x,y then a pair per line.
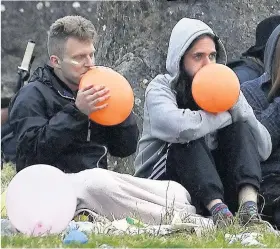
x,y
40,229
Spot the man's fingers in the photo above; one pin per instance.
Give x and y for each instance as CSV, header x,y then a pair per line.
x,y
86,88
94,89
98,94
91,89
100,107
90,97
99,100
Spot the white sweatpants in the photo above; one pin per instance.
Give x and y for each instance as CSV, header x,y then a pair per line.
x,y
117,196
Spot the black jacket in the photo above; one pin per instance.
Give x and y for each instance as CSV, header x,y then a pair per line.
x,y
247,68
51,130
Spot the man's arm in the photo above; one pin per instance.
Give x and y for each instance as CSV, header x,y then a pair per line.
x,y
270,118
122,139
174,125
242,111
40,136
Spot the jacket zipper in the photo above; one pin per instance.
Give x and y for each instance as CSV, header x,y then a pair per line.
x,y
66,97
72,98
89,131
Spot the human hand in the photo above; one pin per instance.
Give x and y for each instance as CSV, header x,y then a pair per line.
x,y
88,98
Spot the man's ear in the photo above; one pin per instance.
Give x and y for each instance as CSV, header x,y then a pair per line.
x,y
55,61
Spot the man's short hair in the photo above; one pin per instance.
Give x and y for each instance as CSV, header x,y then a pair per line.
x,y
69,26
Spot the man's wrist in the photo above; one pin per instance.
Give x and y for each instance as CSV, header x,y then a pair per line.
x,y
75,112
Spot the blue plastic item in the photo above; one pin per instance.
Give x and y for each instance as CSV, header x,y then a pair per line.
x,y
75,236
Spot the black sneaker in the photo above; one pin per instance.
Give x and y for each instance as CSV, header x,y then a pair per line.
x,y
248,213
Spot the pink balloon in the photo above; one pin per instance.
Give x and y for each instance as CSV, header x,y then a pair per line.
x,y
40,200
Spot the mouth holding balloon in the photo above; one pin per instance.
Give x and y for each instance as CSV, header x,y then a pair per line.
x,y
215,88
121,99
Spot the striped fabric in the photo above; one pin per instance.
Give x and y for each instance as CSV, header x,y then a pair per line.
x,y
159,168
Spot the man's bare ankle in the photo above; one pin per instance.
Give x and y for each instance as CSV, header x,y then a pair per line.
x,y
213,203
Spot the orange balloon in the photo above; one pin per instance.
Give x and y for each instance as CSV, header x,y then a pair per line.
x,y
215,88
121,99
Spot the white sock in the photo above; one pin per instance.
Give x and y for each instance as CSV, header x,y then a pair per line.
x,y
247,193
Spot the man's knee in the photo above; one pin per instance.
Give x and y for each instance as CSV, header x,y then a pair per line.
x,y
200,141
235,130
178,148
102,179
239,126
96,179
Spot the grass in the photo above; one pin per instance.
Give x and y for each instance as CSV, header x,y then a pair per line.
x,y
7,173
181,240
178,240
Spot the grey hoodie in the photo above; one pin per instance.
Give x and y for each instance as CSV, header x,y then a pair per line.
x,y
165,123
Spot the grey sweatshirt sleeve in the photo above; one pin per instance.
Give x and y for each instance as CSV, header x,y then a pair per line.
x,y
174,125
242,111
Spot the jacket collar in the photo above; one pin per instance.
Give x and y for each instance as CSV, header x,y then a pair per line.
x,y
46,76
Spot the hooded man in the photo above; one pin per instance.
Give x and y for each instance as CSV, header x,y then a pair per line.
x,y
251,64
216,157
263,94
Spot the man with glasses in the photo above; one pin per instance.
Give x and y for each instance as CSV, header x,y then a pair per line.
x,y
50,115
